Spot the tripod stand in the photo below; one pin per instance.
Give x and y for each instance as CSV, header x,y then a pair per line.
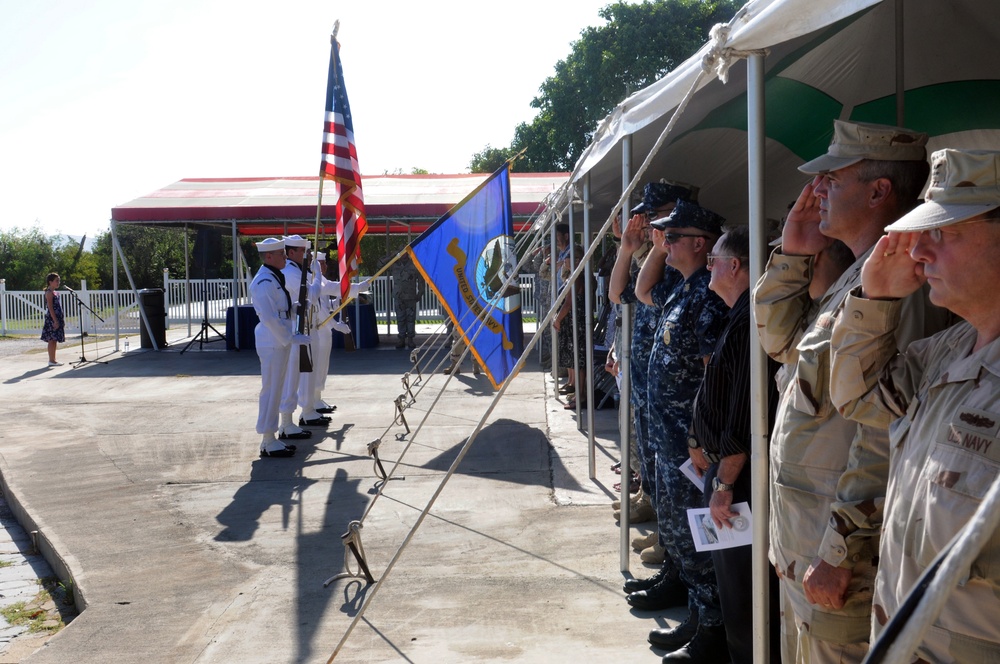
x,y
83,333
202,336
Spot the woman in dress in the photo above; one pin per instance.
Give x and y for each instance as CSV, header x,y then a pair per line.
x,y
54,329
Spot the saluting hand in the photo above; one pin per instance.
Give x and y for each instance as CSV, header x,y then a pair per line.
x,y
800,235
634,234
890,272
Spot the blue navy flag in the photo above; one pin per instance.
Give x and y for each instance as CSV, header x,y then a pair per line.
x,y
465,258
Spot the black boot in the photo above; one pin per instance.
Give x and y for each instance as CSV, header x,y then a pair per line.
x,y
634,585
665,594
707,647
671,639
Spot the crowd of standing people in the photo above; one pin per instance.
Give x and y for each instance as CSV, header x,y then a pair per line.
x,y
874,309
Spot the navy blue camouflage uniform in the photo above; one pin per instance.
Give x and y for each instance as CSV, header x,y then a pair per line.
x,y
644,322
692,317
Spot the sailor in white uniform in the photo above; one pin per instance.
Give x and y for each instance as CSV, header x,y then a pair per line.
x,y
324,295
295,252
274,337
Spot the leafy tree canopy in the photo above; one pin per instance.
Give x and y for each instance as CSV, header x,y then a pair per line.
x,y
639,45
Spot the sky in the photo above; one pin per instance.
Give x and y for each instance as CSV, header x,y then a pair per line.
x,y
104,101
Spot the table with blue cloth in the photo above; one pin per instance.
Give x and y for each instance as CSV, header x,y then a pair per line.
x,y
363,323
364,329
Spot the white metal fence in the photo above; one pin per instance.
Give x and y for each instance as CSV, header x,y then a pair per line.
x,y
186,303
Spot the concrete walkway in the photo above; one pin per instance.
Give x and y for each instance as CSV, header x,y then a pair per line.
x,y
142,477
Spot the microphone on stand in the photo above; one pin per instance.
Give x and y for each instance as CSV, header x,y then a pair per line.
x,y
69,289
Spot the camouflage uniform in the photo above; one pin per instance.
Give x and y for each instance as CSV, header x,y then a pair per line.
x,y
690,322
543,299
407,288
644,321
821,462
947,400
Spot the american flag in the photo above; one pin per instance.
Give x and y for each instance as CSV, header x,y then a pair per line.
x,y
340,164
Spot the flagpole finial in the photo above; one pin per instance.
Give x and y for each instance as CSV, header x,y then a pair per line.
x,y
336,27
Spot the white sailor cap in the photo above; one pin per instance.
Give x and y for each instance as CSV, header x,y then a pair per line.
x,y
320,256
296,241
270,244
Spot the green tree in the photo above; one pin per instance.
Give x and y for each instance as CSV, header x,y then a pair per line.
x,y
26,256
74,264
148,251
639,45
490,159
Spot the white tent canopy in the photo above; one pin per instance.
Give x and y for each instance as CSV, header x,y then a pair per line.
x,y
825,60
927,65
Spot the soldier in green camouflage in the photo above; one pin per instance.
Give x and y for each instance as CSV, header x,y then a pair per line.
x,y
407,289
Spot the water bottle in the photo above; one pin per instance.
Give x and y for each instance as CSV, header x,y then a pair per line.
x,y
126,345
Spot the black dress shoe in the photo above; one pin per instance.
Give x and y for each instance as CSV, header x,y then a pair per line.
x,y
664,595
635,585
283,452
320,421
675,637
326,410
708,646
301,435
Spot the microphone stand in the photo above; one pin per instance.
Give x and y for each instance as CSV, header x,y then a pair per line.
x,y
83,334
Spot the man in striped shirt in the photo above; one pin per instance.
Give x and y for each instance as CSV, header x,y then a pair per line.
x,y
720,442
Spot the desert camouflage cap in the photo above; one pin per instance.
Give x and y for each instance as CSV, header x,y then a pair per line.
x,y
855,141
964,184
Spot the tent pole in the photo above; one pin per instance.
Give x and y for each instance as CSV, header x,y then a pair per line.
x,y
571,330
187,278
587,387
553,293
625,391
900,68
114,281
758,360
236,290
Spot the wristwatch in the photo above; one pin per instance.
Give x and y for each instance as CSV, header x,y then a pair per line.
x,y
721,486
693,443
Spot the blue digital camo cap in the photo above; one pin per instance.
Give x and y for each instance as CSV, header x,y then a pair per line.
x,y
691,215
658,194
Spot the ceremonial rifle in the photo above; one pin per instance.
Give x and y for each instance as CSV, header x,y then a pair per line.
x,y
305,360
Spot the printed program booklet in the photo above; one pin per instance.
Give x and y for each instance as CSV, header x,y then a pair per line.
x,y
707,537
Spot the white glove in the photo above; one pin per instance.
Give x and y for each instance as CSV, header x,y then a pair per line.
x,y
343,328
363,287
300,339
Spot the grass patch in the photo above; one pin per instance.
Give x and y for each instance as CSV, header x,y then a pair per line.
x,y
41,613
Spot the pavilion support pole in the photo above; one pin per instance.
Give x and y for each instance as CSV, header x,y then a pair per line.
x,y
625,391
758,361
587,386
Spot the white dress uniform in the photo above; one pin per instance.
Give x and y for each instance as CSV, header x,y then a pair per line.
x,y
273,337
311,384
290,387
325,294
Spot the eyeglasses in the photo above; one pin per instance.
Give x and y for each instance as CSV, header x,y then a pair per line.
x,y
673,238
936,235
714,257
